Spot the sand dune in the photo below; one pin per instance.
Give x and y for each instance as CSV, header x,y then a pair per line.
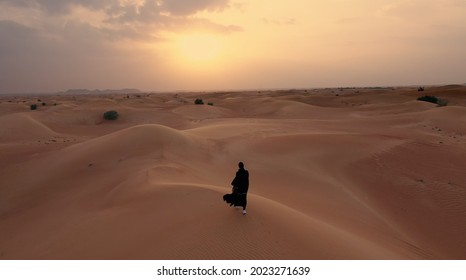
x,y
373,174
20,126
197,112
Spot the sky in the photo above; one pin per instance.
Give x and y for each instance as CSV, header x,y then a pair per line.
x,y
171,45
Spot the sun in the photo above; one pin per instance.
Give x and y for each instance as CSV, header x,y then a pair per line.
x,y
199,47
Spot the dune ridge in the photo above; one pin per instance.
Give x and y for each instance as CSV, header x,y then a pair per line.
x,y
365,174
22,127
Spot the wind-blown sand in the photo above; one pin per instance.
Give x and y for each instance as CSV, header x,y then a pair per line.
x,y
334,174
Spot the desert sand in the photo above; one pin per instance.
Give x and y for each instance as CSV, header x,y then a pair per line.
x,y
368,173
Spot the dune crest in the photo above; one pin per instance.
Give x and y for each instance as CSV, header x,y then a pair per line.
x,y
22,127
334,174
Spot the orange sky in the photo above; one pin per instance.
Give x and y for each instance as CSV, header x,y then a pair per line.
x,y
221,44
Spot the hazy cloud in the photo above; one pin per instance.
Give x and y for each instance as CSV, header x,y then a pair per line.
x,y
93,22
130,10
60,43
118,15
416,10
58,6
182,7
280,21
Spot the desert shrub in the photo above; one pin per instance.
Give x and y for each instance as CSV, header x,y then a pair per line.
x,y
34,107
433,99
44,104
420,89
210,104
428,98
198,101
111,115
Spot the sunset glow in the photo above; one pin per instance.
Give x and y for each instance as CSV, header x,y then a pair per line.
x,y
235,43
199,48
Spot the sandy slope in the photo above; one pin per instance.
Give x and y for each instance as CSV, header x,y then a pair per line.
x,y
348,174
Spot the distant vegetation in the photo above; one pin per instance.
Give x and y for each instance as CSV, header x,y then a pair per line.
x,y
420,89
34,107
199,101
428,98
433,99
111,115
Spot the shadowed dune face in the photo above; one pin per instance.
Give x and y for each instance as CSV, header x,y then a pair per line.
x,y
20,126
353,174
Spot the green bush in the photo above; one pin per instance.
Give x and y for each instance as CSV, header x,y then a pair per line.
x,y
34,107
433,99
198,101
428,98
111,115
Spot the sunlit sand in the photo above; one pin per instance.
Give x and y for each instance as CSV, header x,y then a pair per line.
x,y
367,173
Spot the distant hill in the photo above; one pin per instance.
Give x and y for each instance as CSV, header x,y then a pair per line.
x,y
98,91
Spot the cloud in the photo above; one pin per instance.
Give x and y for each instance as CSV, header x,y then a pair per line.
x,y
174,7
420,10
33,61
57,6
97,21
183,8
280,21
127,15
145,12
130,10
57,44
32,57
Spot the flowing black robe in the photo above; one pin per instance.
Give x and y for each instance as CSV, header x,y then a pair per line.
x,y
240,184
